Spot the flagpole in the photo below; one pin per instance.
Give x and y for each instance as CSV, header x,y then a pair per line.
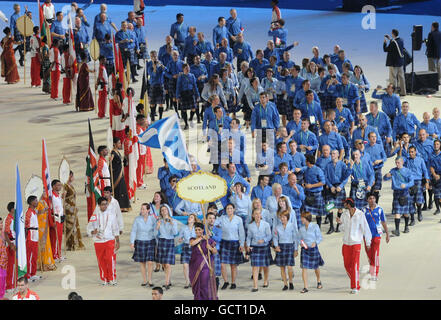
x,y
24,54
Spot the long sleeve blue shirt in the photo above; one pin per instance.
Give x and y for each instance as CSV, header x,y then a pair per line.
x,y
357,134
435,162
261,193
363,171
143,230
345,113
234,26
256,233
168,230
293,126
322,162
314,175
399,177
348,92
280,34
189,46
179,32
220,33
424,149
308,139
243,51
285,235
186,83
186,234
231,230
391,104
300,98
202,47
376,152
310,235
156,77
295,198
382,123
418,168
293,85
189,207
333,139
337,175
265,117
430,128
405,124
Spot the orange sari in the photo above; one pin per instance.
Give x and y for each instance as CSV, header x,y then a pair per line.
x,y
8,64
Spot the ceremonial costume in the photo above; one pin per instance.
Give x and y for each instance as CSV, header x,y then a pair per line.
x,y
103,173
35,61
103,81
67,63
84,98
73,232
31,228
45,260
55,59
119,184
11,269
57,232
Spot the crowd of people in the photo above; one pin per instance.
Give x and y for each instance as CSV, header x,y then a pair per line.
x,y
320,149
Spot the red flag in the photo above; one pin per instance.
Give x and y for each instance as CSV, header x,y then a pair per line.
x,y
133,154
45,174
115,55
121,71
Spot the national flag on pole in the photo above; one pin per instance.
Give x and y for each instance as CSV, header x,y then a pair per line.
x,y
134,154
93,191
19,228
45,174
115,55
72,45
166,134
121,71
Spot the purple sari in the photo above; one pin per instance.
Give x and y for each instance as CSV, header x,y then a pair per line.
x,y
202,277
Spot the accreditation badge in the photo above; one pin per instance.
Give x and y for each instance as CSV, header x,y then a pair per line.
x,y
345,101
263,123
293,88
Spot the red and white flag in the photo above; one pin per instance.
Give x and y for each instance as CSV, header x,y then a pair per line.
x,y
134,150
45,174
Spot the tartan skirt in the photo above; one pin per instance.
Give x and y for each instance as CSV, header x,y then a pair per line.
x,y
328,102
260,256
289,108
338,198
156,94
359,203
311,258
317,208
166,251
297,212
188,100
217,265
144,250
286,256
363,105
436,190
185,253
397,208
172,87
229,252
378,179
246,109
281,104
418,197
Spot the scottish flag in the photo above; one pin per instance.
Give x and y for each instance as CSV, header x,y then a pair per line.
x,y
166,134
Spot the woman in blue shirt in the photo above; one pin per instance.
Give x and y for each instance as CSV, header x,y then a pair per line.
x,y
242,202
187,232
167,228
258,241
310,258
285,242
229,92
143,241
252,94
187,93
361,82
231,245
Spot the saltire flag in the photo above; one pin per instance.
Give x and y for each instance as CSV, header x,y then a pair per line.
x,y
166,134
19,228
93,191
45,174
133,149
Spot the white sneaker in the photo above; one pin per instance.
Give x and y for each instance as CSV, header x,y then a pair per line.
x,y
374,278
354,291
113,283
104,283
62,259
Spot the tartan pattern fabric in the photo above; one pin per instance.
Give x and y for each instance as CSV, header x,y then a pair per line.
x,y
217,265
396,207
185,253
378,179
359,203
338,199
418,197
229,252
172,87
144,251
436,191
187,100
289,108
260,256
156,94
286,256
311,258
166,251
319,203
281,104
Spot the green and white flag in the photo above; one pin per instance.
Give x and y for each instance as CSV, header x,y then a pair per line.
x,y
19,227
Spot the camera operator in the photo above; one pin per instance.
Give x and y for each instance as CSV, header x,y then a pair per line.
x,y
433,51
395,60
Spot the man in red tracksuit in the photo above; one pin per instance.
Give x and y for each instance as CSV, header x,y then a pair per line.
x,y
55,59
56,233
31,229
10,233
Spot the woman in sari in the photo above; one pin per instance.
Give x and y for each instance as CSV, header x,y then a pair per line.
x,y
84,99
202,277
45,66
45,260
73,233
118,182
8,63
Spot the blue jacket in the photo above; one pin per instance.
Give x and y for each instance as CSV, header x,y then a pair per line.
x,y
391,105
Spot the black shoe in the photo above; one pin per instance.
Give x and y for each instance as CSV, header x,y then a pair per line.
x,y
186,127
424,207
151,285
134,81
326,220
260,276
143,284
396,233
412,223
226,284
156,270
420,217
430,205
233,286
187,286
291,286
254,290
336,229
406,230
436,212
285,288
138,67
251,275
331,230
266,285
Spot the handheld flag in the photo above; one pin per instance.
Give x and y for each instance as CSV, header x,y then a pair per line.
x,y
134,154
166,134
93,191
19,228
45,174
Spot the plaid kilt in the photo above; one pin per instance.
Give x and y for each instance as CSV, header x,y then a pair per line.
x,y
338,198
229,252
297,212
436,189
328,102
217,265
166,251
185,253
187,100
396,207
286,256
156,94
289,108
281,104
172,87
259,256
359,203
363,105
378,179
311,258
231,107
318,207
144,251
246,109
418,197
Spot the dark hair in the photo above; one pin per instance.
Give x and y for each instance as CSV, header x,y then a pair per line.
x,y
54,182
307,215
435,25
159,289
129,91
372,194
108,188
297,68
163,198
395,32
11,205
172,177
147,205
350,202
198,225
74,296
107,36
310,158
241,186
212,206
140,117
6,30
179,15
230,204
116,139
22,279
139,107
210,214
35,29
216,108
220,18
101,199
101,148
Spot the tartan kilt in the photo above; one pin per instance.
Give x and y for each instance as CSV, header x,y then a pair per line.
x,y
172,87
311,258
166,251
418,197
185,253
297,212
260,256
229,252
318,207
328,102
378,179
246,109
144,251
396,207
166,84
281,104
289,108
187,100
338,198
363,105
359,203
156,94
217,265
231,107
436,190
286,256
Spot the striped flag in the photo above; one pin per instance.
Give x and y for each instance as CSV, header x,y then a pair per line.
x,y
19,228
93,191
45,174
134,154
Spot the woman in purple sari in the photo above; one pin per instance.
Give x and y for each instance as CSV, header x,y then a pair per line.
x,y
202,277
84,98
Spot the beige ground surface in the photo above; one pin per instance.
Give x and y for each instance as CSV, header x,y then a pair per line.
x,y
409,264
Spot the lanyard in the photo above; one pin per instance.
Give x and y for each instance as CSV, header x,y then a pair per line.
x,y
266,112
217,123
401,176
301,138
232,181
